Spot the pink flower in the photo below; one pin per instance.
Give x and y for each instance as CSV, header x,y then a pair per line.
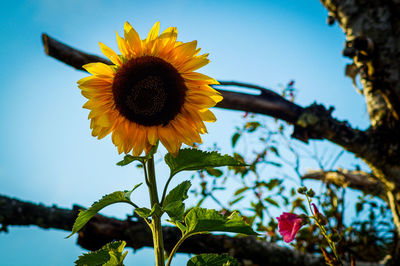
x,y
289,224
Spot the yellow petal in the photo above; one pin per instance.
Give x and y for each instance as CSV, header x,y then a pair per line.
x,y
205,92
94,82
147,147
195,63
104,121
200,77
153,34
99,105
187,133
99,69
169,35
139,141
152,135
122,46
103,132
169,140
110,54
97,95
133,39
193,113
119,137
202,101
186,50
207,116
82,80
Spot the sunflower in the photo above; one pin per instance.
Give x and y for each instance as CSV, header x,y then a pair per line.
x,y
150,92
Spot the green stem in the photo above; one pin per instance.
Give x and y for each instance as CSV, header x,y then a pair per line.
x,y
145,175
156,219
175,249
324,232
165,189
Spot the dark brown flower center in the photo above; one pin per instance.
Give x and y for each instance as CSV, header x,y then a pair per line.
x,y
149,91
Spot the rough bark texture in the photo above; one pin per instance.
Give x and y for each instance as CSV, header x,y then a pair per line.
x,y
372,31
358,180
101,230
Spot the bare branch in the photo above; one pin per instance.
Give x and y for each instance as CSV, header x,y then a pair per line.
x,y
359,180
68,55
101,230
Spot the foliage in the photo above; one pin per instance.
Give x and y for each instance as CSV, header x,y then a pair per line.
x,y
257,197
212,260
269,184
191,222
115,197
109,255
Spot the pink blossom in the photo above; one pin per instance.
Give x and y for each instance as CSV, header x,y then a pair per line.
x,y
289,224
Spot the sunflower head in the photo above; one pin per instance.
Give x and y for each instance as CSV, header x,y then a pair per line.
x,y
150,92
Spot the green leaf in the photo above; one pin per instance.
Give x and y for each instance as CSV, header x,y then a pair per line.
x,y
145,212
252,126
129,158
240,190
109,255
199,220
115,197
235,138
271,201
274,163
179,193
273,183
173,203
193,159
236,200
274,150
214,172
212,260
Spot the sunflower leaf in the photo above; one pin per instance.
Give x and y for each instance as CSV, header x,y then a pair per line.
x,y
145,212
115,197
173,203
109,255
143,159
200,220
212,260
129,158
193,159
178,224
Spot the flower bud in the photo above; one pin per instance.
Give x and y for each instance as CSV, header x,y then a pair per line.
x,y
310,193
302,190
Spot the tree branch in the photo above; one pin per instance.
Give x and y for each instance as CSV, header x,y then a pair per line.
x,y
359,180
101,230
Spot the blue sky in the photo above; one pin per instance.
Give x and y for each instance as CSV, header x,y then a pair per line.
x,y
47,153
